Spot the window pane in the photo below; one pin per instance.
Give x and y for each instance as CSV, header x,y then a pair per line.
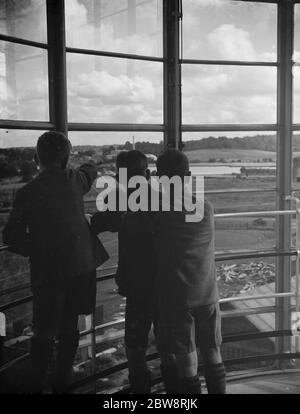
x,y
116,26
228,94
23,82
104,89
297,33
24,18
296,103
229,30
240,176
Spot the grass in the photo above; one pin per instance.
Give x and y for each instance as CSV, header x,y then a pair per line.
x,y
204,155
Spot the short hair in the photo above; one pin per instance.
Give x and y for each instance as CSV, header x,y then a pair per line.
x,y
135,162
172,162
53,147
121,160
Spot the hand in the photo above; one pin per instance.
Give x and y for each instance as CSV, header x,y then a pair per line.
x,y
88,218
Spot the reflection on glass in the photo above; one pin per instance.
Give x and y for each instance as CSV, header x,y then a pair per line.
x,y
114,90
228,95
23,82
123,26
25,19
229,30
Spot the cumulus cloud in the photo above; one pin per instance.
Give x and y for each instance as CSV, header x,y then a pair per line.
x,y
231,43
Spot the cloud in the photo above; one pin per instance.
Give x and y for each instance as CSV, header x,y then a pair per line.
x,y
231,43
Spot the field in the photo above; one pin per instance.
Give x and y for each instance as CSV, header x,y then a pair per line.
x,y
204,155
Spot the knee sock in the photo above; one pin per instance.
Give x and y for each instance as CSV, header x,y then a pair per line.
x,y
170,378
190,385
215,377
67,347
41,354
140,382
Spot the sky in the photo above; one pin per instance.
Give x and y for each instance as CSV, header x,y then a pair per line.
x,y
103,89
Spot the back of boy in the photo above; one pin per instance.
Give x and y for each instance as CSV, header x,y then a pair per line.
x,y
136,275
47,224
189,315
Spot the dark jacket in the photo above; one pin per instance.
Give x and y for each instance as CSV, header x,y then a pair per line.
x,y
137,270
185,256
47,224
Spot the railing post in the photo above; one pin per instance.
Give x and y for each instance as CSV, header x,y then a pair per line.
x,y
93,349
57,64
284,156
172,73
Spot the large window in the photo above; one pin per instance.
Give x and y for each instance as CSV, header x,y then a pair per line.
x,y
119,78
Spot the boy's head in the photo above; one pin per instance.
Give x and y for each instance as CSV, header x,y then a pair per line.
x,y
53,150
172,162
135,162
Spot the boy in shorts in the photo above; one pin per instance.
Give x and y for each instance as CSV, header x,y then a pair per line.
x,y
186,286
136,278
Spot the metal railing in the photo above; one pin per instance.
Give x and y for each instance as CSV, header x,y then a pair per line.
x,y
220,256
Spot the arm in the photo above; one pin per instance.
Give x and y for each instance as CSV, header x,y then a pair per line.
x,y
106,221
87,173
15,232
141,222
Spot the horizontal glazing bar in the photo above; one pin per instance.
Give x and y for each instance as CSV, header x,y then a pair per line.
x,y
225,62
116,127
118,55
228,127
10,124
21,41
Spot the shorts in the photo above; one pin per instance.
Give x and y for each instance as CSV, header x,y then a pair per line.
x,y
54,308
183,330
140,315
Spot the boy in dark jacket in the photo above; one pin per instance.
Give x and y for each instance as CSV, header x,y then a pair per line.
x,y
47,224
136,277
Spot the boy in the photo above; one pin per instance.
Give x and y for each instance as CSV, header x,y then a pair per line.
x,y
47,223
187,291
135,277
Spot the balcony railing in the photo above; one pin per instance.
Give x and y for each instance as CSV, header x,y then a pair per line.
x,y
220,256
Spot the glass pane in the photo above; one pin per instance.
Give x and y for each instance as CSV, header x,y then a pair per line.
x,y
25,19
228,94
297,34
114,90
23,82
115,26
229,30
296,103
233,160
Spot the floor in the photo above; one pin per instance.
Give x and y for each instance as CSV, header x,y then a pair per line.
x,y
282,383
